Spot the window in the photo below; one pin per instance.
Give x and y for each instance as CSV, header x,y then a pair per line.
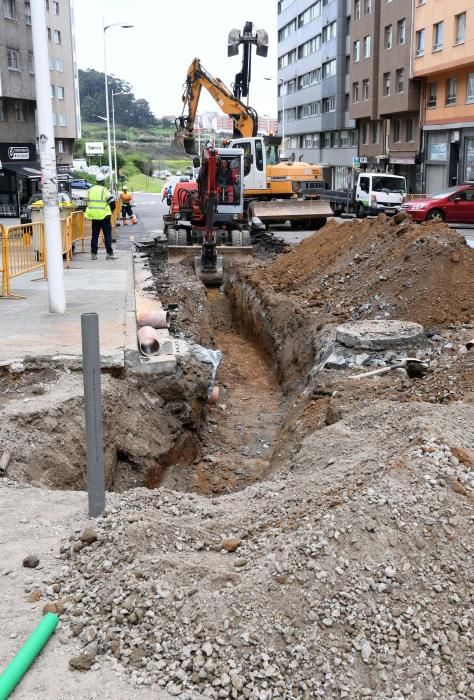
x,y
51,63
410,130
386,84
365,132
310,46
470,88
19,112
451,91
388,37
355,92
329,32
365,90
400,78
283,61
329,68
57,36
397,130
27,12
52,91
309,14
367,46
13,59
344,138
283,5
356,51
60,145
376,132
55,7
62,119
432,90
55,121
49,33
258,147
308,79
367,7
312,109
356,9
329,104
420,42
284,32
460,28
3,111
31,63
59,65
290,114
438,36
401,31
327,139
9,9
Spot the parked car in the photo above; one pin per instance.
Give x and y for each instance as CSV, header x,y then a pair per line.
x,y
455,205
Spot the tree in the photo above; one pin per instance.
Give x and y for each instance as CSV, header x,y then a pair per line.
x,y
128,110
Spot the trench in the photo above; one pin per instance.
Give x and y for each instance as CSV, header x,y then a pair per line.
x,y
237,437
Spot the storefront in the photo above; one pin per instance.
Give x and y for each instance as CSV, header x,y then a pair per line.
x,y
20,176
404,164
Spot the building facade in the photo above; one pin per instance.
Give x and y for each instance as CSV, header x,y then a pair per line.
x,y
443,57
384,101
313,84
20,174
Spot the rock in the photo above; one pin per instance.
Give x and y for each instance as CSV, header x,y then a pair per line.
x,y
34,596
335,361
31,561
89,535
455,257
400,216
16,368
207,648
83,662
57,608
230,544
76,629
366,651
333,413
379,335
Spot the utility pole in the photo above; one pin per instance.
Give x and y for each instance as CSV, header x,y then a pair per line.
x,y
52,226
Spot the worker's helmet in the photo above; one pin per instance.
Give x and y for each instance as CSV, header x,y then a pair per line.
x,y
125,188
100,177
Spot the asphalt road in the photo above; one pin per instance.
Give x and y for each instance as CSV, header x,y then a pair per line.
x,y
150,209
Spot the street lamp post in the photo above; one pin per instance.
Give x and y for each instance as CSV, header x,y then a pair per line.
x,y
107,114
268,123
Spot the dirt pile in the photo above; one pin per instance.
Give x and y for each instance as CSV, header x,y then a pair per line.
x,y
382,268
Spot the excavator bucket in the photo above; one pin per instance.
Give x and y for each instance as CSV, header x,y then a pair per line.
x,y
189,144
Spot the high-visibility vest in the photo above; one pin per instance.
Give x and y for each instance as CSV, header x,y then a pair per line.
x,y
125,197
97,204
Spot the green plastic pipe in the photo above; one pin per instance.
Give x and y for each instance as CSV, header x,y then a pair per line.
x,y
20,664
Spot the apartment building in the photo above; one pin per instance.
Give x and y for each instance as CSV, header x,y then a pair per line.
x,y
443,56
20,173
313,84
383,100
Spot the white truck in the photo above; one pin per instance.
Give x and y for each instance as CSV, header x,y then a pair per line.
x,y
372,194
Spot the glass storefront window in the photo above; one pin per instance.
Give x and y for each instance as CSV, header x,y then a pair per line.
x,y
469,160
438,147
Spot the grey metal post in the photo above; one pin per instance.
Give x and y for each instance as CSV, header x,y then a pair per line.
x,y
93,412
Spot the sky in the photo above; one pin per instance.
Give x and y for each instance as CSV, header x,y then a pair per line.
x,y
155,55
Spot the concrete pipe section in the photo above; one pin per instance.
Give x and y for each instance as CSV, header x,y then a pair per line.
x,y
148,341
158,318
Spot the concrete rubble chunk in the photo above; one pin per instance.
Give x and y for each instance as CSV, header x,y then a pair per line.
x,y
379,335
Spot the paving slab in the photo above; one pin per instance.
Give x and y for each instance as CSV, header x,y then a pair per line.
x,y
29,331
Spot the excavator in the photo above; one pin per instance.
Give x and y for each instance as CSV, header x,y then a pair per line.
x,y
275,190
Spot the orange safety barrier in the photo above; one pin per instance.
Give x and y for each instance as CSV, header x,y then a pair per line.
x,y
23,250
81,228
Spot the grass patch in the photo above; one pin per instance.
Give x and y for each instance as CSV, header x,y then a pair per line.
x,y
141,183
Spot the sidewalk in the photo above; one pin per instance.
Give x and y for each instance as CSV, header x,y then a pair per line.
x,y
30,333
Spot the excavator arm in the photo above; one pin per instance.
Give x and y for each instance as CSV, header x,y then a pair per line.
x,y
245,118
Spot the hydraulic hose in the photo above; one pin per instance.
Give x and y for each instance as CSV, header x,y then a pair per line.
x,y
20,664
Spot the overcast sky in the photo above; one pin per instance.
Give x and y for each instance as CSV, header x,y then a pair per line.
x,y
154,56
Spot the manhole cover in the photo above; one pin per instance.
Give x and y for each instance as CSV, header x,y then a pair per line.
x,y
378,335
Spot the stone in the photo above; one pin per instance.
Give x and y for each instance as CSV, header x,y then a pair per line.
x,y
31,561
207,648
89,535
230,544
57,607
34,596
83,662
379,335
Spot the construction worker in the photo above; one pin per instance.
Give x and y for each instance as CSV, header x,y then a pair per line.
x,y
168,193
225,182
100,205
126,204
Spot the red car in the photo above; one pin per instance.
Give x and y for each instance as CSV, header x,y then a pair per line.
x,y
454,205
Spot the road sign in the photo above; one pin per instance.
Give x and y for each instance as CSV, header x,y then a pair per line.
x,y
363,160
356,162
94,148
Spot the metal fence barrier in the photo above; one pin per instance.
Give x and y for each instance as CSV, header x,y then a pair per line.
x,y
23,247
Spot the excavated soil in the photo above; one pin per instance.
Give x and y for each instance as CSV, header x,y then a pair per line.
x,y
310,535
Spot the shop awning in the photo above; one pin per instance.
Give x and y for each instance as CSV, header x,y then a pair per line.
x,y
30,170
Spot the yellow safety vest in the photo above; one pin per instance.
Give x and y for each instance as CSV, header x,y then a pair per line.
x,y
97,204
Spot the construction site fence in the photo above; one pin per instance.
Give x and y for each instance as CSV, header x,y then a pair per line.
x,y
23,246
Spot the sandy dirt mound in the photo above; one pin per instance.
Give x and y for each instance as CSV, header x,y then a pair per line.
x,y
382,268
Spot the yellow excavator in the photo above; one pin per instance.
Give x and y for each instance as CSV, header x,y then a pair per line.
x,y
275,190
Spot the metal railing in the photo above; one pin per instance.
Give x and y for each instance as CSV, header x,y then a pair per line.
x,y
23,247
23,250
